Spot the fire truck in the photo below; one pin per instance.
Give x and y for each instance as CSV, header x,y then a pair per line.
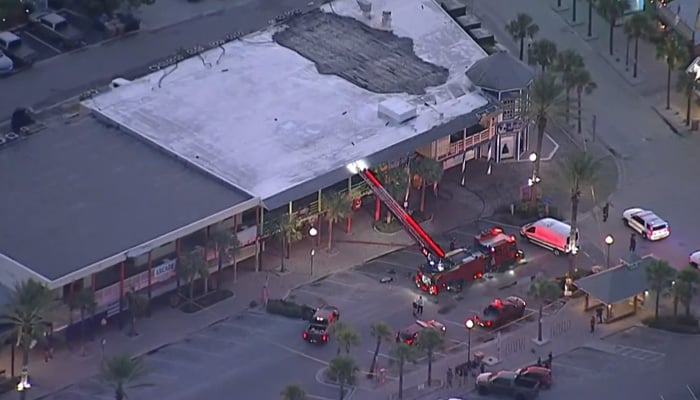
x,y
446,271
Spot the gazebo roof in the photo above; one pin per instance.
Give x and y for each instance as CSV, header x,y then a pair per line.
x,y
618,283
500,72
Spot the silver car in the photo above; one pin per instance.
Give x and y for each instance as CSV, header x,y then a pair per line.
x,y
6,64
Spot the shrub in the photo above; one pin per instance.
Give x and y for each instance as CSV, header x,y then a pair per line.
x,y
290,309
680,324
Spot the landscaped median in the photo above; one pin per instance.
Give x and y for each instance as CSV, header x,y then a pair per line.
x,y
687,324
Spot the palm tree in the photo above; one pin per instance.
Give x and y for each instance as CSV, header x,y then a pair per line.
x,y
85,302
542,52
335,207
545,100
659,275
686,84
583,83
395,182
687,278
543,290
227,246
674,53
293,392
430,340
191,266
636,27
137,308
346,336
520,28
381,331
28,313
580,170
287,230
343,370
566,65
402,353
612,10
430,172
122,372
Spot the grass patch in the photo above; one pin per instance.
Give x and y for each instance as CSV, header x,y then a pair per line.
x,y
395,226
203,302
679,324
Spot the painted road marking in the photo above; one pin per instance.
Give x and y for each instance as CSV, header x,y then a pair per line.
x,y
297,352
313,396
31,35
382,355
691,392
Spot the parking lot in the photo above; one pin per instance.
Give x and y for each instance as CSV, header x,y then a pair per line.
x,y
637,363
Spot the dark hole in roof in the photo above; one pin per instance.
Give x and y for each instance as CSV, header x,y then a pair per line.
x,y
372,59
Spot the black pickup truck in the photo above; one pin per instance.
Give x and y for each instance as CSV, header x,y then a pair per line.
x,y
507,383
316,333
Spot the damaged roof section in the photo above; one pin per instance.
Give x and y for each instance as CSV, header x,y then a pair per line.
x,y
373,59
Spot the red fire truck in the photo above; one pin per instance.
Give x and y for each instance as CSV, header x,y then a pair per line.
x,y
446,271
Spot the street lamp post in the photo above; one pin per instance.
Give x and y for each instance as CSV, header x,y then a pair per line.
x,y
23,385
609,240
469,324
313,232
534,179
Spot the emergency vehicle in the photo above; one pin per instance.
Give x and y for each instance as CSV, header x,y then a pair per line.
x,y
500,247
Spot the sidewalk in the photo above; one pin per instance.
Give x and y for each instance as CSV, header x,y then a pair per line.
x,y
564,331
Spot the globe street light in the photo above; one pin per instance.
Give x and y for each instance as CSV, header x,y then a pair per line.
x,y
469,324
609,240
313,232
533,157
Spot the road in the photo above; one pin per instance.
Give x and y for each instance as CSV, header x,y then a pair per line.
x,y
658,164
70,74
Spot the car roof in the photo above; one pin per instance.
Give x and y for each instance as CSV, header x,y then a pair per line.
x,y
53,18
8,36
649,217
506,374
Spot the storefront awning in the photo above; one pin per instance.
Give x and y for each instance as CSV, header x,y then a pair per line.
x,y
618,283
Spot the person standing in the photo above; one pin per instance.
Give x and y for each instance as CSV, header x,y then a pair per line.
x,y
606,211
633,243
449,377
420,303
599,314
592,323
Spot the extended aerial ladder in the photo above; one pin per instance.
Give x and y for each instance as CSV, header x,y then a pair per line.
x,y
428,245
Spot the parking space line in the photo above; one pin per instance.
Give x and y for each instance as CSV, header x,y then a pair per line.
x,y
297,352
189,349
691,392
382,355
313,396
447,321
34,37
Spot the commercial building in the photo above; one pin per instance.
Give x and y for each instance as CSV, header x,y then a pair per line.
x,y
234,137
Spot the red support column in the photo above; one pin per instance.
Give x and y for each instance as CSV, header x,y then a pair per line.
x,y
122,274
206,232
93,282
177,248
377,209
348,225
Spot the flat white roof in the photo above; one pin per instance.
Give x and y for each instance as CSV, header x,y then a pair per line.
x,y
261,117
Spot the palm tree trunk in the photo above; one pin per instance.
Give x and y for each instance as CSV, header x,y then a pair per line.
x,y
627,52
192,288
687,308
401,361
430,368
668,88
636,56
567,110
539,323
675,306
578,111
83,350
283,243
541,126
573,11
341,384
688,107
522,47
422,197
374,358
206,282
235,265
330,234
25,364
119,393
219,267
610,36
656,304
572,234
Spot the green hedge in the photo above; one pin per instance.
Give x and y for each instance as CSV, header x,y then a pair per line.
x,y
679,324
290,309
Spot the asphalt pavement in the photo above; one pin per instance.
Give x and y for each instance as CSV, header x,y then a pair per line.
x,y
70,74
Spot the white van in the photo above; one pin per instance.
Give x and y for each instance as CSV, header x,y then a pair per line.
x,y
549,233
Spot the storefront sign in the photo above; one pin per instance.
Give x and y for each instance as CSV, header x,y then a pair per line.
x,y
111,293
167,267
247,236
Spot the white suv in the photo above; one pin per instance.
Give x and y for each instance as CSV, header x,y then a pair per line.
x,y
646,223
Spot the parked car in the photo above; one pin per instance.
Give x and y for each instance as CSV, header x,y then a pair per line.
x,y
58,27
646,223
6,64
541,374
500,312
695,258
507,383
19,51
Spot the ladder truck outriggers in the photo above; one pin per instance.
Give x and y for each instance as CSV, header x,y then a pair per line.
x,y
442,270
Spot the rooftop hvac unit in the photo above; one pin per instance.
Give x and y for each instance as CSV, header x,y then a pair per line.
x,y
397,111
365,7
